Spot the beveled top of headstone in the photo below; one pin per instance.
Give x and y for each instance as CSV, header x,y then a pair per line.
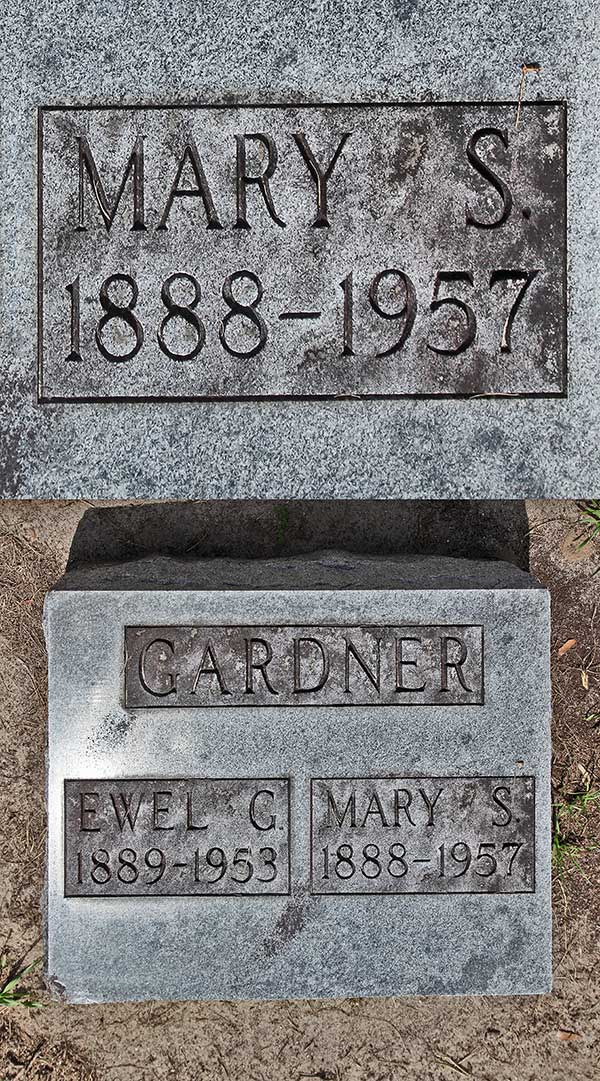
x,y
327,569
325,255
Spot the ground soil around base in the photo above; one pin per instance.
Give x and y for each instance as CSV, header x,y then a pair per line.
x,y
555,1036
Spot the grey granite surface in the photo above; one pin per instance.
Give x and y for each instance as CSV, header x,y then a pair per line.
x,y
407,938
417,51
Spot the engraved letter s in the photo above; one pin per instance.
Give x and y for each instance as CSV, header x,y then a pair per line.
x,y
503,190
502,789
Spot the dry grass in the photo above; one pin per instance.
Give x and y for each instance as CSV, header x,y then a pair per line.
x,y
35,1059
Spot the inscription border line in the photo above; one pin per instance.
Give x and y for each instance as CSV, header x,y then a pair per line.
x,y
124,399
307,705
158,896
427,777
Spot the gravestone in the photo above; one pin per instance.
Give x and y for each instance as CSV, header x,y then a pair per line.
x,y
348,252
309,777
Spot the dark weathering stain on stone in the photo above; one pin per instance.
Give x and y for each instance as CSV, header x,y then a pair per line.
x,y
405,9
11,463
482,970
468,795
296,914
492,439
114,729
409,156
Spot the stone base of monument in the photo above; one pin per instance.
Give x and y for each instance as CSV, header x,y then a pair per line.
x,y
308,777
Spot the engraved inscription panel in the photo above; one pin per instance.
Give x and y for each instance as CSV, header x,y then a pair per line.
x,y
423,835
303,665
170,837
302,251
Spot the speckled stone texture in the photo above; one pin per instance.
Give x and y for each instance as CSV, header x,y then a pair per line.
x,y
309,943
420,50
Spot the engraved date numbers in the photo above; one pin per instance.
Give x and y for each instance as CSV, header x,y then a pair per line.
x,y
206,867
451,861
243,330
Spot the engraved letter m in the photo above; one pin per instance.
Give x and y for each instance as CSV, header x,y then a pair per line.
x,y
135,165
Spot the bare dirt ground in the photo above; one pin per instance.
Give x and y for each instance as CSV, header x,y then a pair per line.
x,y
491,1039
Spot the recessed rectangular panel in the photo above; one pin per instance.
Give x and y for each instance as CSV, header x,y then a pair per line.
x,y
302,251
173,837
392,835
310,665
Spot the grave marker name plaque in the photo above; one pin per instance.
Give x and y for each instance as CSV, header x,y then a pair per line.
x,y
337,665
206,837
422,835
296,251
175,837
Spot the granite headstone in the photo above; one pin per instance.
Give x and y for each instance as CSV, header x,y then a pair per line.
x,y
309,777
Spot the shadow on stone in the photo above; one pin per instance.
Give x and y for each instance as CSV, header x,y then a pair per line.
x,y
486,529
